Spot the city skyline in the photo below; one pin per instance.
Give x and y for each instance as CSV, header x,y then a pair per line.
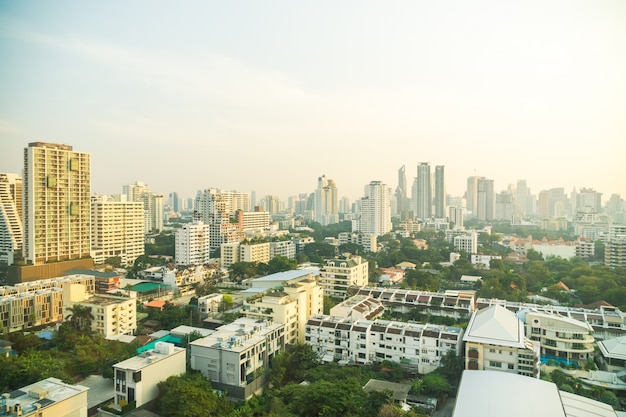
x,y
184,100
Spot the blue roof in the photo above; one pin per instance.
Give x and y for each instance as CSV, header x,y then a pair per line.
x,y
288,275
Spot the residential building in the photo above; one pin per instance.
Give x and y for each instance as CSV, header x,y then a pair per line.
x,y
253,222
588,201
375,211
136,379
495,340
235,357
289,297
358,308
117,230
455,214
153,204
505,206
402,201
467,242
561,338
244,252
458,305
337,274
615,246
485,203
326,201
284,248
613,354
440,192
419,347
209,305
483,261
193,244
56,205
111,315
49,397
11,232
471,194
496,394
422,196
369,242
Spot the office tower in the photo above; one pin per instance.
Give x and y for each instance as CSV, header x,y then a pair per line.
x,y
485,199
11,233
455,215
375,210
551,203
344,205
504,206
440,192
588,201
57,192
117,229
471,194
423,200
402,202
174,202
326,202
523,199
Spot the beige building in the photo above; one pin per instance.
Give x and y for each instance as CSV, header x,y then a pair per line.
x,y
289,297
336,275
561,337
495,340
244,252
11,233
235,357
136,379
50,397
56,206
117,229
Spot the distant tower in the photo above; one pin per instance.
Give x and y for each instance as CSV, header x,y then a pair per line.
x,y
402,206
375,210
326,202
174,202
423,209
56,206
471,194
486,200
440,193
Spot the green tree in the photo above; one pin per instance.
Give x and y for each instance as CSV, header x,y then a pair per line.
x,y
114,261
80,318
436,384
190,395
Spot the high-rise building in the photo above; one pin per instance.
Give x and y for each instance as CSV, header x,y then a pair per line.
x,y
117,229
504,206
56,207
615,249
174,202
375,218
523,200
326,202
485,200
153,204
423,198
402,202
193,245
471,194
11,233
588,201
440,192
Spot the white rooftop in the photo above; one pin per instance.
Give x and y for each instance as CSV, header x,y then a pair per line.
x,y
497,394
147,358
45,392
614,348
495,325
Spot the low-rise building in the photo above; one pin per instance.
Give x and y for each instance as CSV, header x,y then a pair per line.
x,y
50,397
236,357
358,307
336,275
495,340
136,379
419,347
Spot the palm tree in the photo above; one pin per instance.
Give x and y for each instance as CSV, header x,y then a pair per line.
x,y
80,317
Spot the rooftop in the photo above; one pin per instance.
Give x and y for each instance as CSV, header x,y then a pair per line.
x,y
43,393
495,325
147,358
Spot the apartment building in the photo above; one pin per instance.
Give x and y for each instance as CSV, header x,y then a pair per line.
x,y
235,357
358,307
419,347
112,316
337,275
375,210
49,397
285,248
458,305
11,233
57,191
136,379
560,337
495,340
615,247
244,252
193,244
369,242
209,305
253,222
289,297
468,242
117,229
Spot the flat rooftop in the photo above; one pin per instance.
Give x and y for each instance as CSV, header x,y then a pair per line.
x,y
43,393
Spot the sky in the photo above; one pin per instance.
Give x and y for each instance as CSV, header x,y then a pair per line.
x,y
268,96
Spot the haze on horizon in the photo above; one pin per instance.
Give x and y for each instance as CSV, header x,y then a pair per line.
x,y
267,96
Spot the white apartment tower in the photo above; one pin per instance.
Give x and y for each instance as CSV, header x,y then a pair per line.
x,y
375,210
326,202
422,192
117,229
153,204
193,244
56,206
11,233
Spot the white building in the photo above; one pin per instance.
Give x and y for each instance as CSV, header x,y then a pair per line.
x,y
209,305
49,397
117,229
284,248
326,203
495,340
236,355
11,233
336,275
193,244
369,242
136,379
244,252
417,346
375,212
467,242
483,261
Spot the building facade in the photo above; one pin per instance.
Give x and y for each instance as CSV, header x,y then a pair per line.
x,y
11,232
375,211
337,275
193,245
56,205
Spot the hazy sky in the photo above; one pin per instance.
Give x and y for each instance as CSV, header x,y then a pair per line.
x,y
269,95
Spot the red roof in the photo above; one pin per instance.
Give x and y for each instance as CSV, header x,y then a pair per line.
x,y
156,303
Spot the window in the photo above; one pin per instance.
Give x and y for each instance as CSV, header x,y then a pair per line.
x,y
137,376
495,364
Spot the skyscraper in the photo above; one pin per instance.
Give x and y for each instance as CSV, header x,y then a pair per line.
x,y
375,216
485,199
56,207
11,234
326,202
402,204
440,193
423,200
471,194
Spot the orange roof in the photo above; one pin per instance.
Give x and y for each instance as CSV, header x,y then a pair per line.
x,y
156,303
562,285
